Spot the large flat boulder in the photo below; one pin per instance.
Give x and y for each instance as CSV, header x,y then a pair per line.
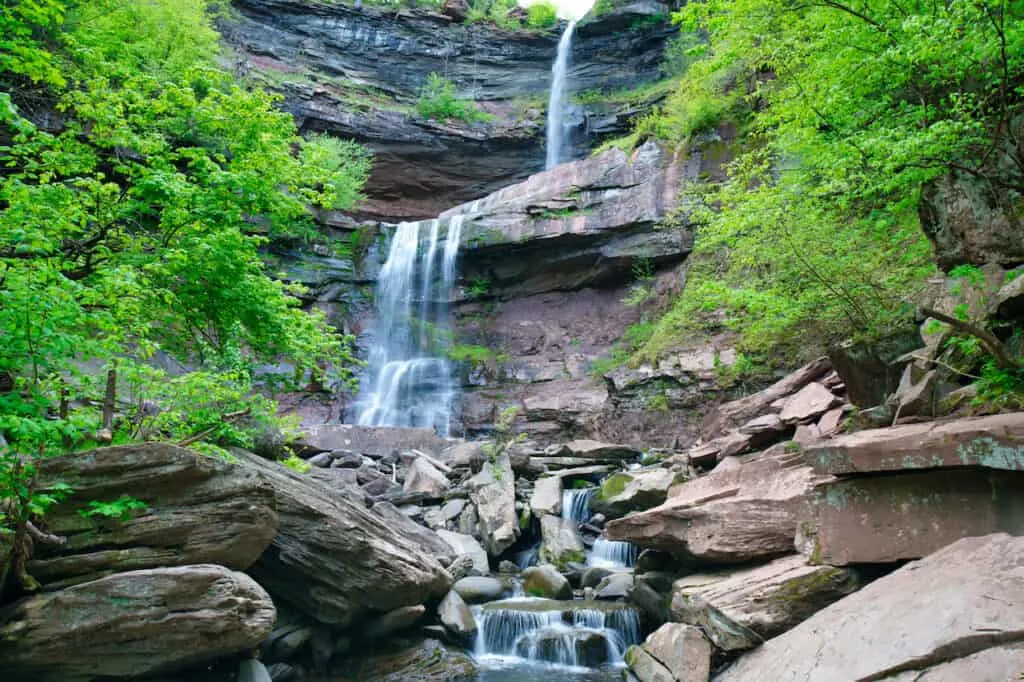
x,y
740,609
679,653
493,494
879,519
198,510
134,624
964,599
338,561
625,492
746,509
994,442
375,441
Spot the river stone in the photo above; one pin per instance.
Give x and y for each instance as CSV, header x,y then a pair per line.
x,y
475,589
546,581
393,621
808,403
493,494
466,546
622,493
456,617
994,442
134,624
338,561
198,510
614,586
745,510
427,661
963,599
560,542
683,650
645,668
424,477
740,609
547,496
879,519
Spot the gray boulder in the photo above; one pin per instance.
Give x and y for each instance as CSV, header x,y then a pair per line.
x,y
475,589
493,494
456,617
546,581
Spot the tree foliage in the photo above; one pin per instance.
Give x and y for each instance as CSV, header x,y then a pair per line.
x,y
846,110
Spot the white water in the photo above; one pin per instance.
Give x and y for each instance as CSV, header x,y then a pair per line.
x,y
612,554
576,504
408,380
555,142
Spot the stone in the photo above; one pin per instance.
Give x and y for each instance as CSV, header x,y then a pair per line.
x,y
467,455
467,546
994,442
878,519
963,599
683,650
622,493
1009,300
614,586
134,624
492,492
597,451
456,617
373,441
508,567
809,402
740,609
546,581
997,663
915,398
593,575
645,668
336,560
806,434
428,541
560,541
198,510
869,370
426,661
746,509
323,460
831,422
547,496
440,517
393,621
764,430
475,589
424,477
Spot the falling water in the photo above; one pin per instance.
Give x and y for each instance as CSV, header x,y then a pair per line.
x,y
408,380
611,553
576,505
556,100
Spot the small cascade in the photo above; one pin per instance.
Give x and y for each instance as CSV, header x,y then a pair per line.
x,y
556,100
576,504
577,634
408,380
612,554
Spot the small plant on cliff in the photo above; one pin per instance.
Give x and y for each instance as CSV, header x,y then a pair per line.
x,y
503,439
122,509
440,101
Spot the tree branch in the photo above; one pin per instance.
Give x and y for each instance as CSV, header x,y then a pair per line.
x,y
992,344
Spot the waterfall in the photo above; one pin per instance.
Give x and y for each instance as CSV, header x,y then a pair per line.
x,y
576,505
568,633
556,100
408,379
611,553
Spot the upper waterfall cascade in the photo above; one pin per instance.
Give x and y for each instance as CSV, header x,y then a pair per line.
x,y
555,142
408,379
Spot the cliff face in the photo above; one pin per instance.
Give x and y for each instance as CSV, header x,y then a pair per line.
x,y
356,74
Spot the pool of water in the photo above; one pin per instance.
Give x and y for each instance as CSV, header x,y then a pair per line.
x,y
517,670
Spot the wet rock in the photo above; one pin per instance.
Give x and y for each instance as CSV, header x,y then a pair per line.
x,y
467,546
560,541
881,519
589,649
995,442
492,492
546,581
810,402
614,586
740,609
424,477
475,589
622,493
963,599
547,496
198,510
134,624
393,621
682,650
427,661
456,617
336,560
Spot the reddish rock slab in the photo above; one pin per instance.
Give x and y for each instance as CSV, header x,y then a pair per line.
x,y
994,442
883,519
808,403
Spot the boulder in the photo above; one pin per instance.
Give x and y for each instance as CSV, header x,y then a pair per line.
x,y
593,450
428,541
961,600
879,519
915,397
644,667
622,493
560,541
456,617
426,661
614,586
547,496
475,589
440,517
746,509
466,546
134,624
764,430
493,494
810,402
740,609
994,442
374,441
198,510
831,422
393,621
546,581
997,663
465,455
1009,300
869,369
336,560
424,477
683,650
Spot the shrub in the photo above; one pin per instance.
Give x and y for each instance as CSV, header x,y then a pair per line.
x,y
440,101
541,15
